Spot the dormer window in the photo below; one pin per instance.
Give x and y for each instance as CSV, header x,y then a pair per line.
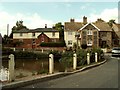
x,y
33,34
89,32
53,34
69,33
21,34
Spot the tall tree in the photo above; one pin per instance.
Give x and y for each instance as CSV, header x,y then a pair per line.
x,y
60,27
111,22
19,26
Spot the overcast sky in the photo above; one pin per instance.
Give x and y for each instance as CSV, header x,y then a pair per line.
x,y
37,14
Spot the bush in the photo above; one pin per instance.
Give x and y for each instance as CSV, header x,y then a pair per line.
x,y
29,55
6,51
81,57
67,58
57,54
84,46
52,44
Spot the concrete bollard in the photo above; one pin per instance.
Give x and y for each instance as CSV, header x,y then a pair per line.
x,y
51,64
13,49
42,50
23,49
88,58
11,68
96,57
74,61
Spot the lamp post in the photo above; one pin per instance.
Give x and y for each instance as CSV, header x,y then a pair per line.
x,y
77,37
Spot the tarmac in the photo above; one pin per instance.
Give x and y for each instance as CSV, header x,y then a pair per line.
x,y
35,79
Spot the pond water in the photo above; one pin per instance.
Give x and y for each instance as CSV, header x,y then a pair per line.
x,y
34,65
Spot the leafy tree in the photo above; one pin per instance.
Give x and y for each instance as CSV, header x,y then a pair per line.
x,y
60,27
111,22
6,40
19,26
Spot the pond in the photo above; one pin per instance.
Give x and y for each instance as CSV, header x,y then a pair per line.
x,y
34,65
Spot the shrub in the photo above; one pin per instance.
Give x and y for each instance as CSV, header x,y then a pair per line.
x,y
29,55
43,71
81,57
57,54
66,60
52,44
84,46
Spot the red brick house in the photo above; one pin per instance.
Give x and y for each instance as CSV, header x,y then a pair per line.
x,y
31,38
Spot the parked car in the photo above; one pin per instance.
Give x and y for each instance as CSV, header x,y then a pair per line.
x,y
116,52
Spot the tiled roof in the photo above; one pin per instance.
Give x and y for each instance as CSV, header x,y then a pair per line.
x,y
35,30
116,28
103,26
73,26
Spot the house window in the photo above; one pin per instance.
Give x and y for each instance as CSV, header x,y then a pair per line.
x,y
70,42
69,33
53,40
89,32
33,41
89,43
20,40
33,34
42,39
21,34
53,34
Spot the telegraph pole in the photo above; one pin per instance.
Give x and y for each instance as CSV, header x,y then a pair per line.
x,y
7,29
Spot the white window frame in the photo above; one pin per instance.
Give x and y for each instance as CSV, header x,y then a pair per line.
x,y
53,34
69,42
89,42
33,34
70,33
89,32
42,39
21,34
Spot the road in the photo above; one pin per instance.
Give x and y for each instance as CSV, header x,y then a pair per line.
x,y
103,76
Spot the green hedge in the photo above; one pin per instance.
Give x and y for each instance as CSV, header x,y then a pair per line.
x,y
52,44
29,55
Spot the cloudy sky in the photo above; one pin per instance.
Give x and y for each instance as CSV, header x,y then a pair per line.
x,y
37,14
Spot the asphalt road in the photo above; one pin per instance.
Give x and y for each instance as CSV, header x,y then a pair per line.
x,y
103,76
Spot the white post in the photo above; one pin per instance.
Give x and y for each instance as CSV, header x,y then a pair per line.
x,y
13,49
88,58
23,49
96,57
74,61
51,64
42,50
11,67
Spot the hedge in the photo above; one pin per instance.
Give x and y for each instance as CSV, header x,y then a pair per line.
x,y
52,44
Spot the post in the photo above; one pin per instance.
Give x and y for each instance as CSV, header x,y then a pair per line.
x,y
11,68
88,58
74,61
23,49
51,64
42,50
13,49
96,57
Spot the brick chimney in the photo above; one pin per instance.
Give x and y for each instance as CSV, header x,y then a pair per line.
x,y
45,25
84,20
72,20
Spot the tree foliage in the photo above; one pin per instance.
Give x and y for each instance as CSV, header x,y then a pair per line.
x,y
19,25
111,22
60,27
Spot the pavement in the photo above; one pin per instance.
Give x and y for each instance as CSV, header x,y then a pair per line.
x,y
40,78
